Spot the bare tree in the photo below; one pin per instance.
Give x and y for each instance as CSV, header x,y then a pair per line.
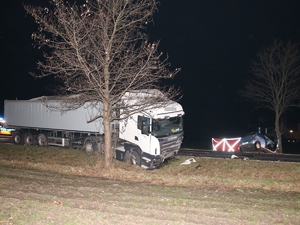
x,y
100,52
276,81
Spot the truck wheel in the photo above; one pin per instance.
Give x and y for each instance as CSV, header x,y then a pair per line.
x,y
257,145
42,140
29,139
135,158
127,156
17,138
89,146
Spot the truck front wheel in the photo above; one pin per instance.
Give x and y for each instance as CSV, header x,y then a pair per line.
x,y
133,157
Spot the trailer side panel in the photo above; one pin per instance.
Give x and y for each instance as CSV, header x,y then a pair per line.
x,y
35,114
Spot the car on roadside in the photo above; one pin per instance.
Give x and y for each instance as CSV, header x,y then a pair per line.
x,y
257,142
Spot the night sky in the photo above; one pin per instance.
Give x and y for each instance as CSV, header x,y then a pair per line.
x,y
212,41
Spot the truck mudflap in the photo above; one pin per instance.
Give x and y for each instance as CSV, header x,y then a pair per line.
x,y
150,162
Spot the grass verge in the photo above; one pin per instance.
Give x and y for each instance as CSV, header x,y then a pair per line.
x,y
205,172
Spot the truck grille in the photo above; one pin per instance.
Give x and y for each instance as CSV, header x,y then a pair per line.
x,y
169,146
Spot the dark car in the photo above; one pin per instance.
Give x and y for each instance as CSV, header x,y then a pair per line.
x,y
256,141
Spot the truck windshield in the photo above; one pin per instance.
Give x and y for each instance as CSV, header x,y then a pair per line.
x,y
163,127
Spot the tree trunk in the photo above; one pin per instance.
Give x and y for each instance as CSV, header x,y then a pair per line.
x,y
278,132
107,137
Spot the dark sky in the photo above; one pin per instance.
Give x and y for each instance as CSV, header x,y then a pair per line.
x,y
212,41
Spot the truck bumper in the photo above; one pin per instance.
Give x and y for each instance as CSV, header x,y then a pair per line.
x,y
150,162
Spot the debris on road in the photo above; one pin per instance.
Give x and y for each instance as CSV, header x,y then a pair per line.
x,y
234,157
188,161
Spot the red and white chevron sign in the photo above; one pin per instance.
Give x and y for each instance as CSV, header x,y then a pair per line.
x,y
226,144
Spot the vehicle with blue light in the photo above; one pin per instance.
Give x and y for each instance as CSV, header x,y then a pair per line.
x,y
3,129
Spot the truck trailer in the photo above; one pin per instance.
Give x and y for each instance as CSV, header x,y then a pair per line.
x,y
145,138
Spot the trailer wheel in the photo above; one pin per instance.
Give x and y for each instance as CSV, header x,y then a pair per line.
x,y
29,139
257,145
18,138
89,146
135,158
42,140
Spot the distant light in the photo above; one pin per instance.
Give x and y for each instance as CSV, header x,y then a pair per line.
x,y
291,131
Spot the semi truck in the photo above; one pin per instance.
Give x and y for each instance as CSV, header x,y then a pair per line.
x,y
146,138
